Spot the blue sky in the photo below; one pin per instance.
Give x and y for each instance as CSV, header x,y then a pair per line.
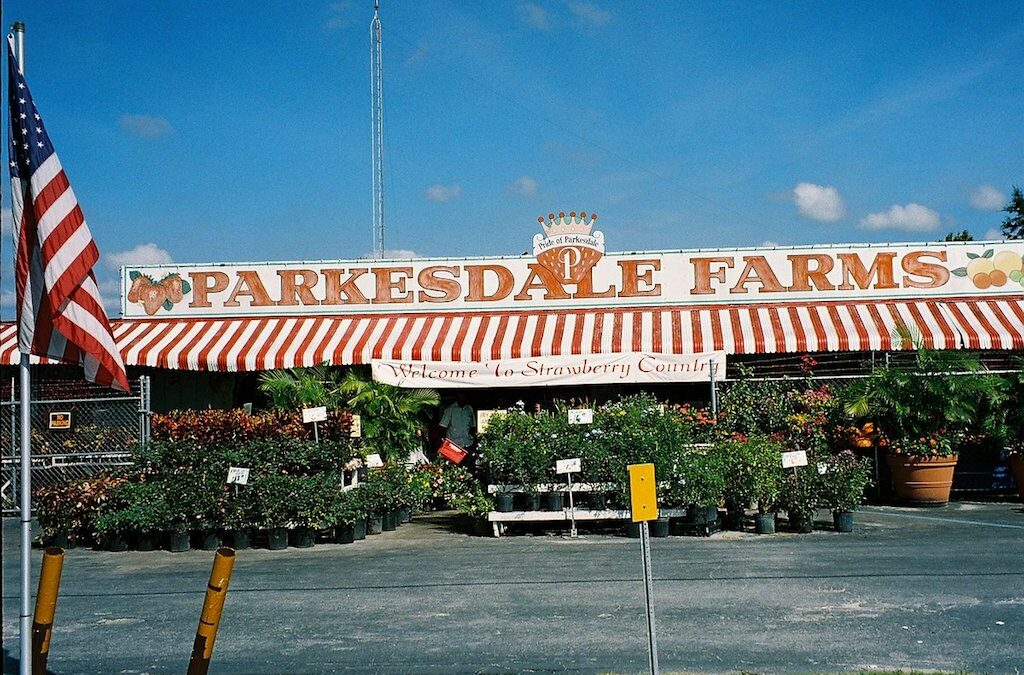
x,y
225,131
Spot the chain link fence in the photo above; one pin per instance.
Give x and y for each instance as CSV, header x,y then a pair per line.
x,y
78,429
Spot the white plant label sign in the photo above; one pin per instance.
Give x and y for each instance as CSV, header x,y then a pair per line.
x,y
581,416
356,430
374,461
567,465
238,475
794,459
314,414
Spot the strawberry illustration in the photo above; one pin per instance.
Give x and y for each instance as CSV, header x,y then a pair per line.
x,y
153,296
174,286
138,280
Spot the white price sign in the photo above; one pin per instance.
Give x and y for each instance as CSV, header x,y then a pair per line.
x,y
374,461
581,416
794,459
567,465
238,475
314,414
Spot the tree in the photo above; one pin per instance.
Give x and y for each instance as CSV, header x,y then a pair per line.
x,y
1013,226
302,387
392,417
960,236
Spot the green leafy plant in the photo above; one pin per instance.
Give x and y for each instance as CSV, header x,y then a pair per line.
x,y
941,394
754,471
392,417
296,388
844,481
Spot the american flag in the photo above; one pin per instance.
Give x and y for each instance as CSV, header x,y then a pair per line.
x,y
60,313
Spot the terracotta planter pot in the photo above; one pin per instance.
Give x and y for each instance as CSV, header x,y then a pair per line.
x,y
924,481
1016,463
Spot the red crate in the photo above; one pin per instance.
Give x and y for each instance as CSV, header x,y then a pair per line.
x,y
452,452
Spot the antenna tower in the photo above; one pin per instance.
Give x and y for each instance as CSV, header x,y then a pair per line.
x,y
377,123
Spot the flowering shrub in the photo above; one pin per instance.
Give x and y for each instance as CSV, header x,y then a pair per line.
x,y
939,443
843,483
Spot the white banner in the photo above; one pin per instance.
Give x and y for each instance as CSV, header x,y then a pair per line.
x,y
553,371
571,271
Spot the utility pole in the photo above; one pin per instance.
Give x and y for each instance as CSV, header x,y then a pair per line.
x,y
377,124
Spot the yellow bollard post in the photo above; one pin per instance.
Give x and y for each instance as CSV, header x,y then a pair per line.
x,y
213,605
46,606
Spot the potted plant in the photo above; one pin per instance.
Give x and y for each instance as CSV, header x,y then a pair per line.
x,y
801,496
392,417
756,475
698,484
843,483
112,528
273,508
922,411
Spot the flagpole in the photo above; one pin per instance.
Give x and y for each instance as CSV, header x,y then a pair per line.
x,y
25,616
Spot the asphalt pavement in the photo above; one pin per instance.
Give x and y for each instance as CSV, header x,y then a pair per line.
x,y
930,589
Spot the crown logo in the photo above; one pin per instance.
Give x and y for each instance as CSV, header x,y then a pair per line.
x,y
568,248
570,225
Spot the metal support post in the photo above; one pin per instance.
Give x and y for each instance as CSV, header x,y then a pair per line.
x,y
652,640
46,607
714,390
213,605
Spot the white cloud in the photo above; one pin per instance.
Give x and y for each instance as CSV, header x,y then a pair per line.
x,y
339,15
987,198
912,217
145,126
534,15
768,243
590,13
395,254
143,254
994,235
443,193
525,186
818,202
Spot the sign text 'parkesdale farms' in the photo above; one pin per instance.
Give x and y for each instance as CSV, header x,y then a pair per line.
x,y
569,269
552,371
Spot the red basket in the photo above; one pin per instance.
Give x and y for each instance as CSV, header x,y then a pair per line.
x,y
452,452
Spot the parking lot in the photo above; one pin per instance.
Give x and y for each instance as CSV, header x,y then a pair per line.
x,y
924,588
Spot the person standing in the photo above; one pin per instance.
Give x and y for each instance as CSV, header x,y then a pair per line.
x,y
459,423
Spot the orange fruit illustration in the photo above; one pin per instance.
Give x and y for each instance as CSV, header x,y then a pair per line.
x,y
152,297
133,292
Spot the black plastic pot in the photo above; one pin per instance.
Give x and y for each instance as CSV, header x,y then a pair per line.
x,y
734,519
843,521
63,540
240,539
764,523
404,515
209,541
598,501
277,539
503,502
145,541
390,521
705,514
359,529
528,502
302,537
117,542
361,473
633,530
178,542
375,525
552,501
659,527
345,534
801,524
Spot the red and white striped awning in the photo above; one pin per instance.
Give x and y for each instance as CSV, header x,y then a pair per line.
x,y
261,343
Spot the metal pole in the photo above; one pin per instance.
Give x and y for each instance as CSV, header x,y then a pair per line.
x,y
46,607
714,391
316,432
25,616
213,605
572,506
652,640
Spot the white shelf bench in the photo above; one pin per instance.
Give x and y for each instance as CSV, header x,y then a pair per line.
x,y
499,520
